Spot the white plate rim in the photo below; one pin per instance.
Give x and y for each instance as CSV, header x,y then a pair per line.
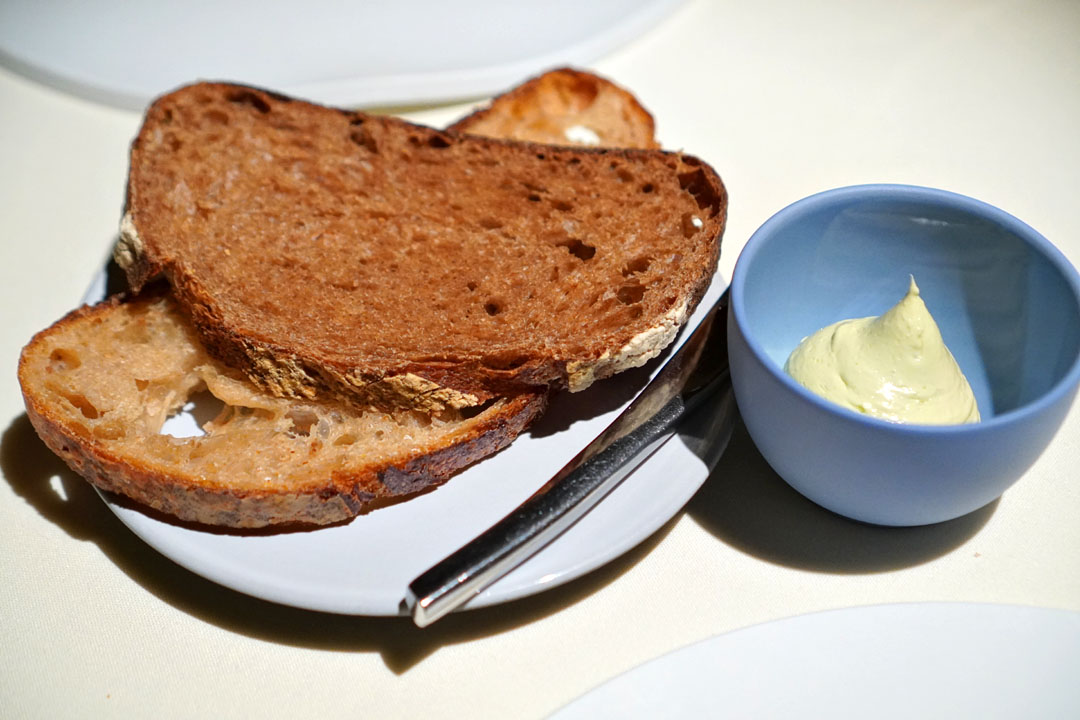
x,y
629,515
726,670
46,56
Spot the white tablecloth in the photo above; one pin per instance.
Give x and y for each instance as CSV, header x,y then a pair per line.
x,y
784,98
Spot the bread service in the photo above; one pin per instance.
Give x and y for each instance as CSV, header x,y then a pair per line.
x,y
371,305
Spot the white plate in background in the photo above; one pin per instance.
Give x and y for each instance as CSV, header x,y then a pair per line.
x,y
341,53
920,660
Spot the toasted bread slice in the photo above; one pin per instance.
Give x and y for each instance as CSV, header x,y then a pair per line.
x,y
565,107
100,383
321,249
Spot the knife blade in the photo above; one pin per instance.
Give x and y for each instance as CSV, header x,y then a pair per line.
x,y
693,375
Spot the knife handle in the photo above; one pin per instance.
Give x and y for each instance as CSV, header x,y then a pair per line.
x,y
534,524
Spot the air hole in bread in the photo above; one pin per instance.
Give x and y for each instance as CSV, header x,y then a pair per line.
x,y
696,182
493,307
625,175
554,274
647,188
363,137
346,439
439,142
247,97
541,156
562,205
491,223
348,285
506,362
62,360
578,249
691,224
82,404
636,266
192,417
471,285
474,410
634,312
302,419
173,142
141,385
534,198
630,294
216,117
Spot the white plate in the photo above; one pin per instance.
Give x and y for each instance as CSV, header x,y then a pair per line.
x,y
929,660
364,567
343,53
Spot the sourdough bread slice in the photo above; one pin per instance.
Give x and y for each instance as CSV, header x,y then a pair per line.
x,y
321,249
100,383
565,107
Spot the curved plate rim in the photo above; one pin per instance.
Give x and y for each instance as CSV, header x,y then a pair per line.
x,y
258,565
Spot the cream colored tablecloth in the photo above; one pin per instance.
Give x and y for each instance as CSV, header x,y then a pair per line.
x,y
784,98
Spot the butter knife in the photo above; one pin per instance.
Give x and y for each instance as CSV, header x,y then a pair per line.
x,y
693,375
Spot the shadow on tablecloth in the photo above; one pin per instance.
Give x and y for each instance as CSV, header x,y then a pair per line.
x,y
44,482
747,505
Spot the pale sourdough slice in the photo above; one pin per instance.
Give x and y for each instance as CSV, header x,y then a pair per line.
x,y
565,107
321,249
100,383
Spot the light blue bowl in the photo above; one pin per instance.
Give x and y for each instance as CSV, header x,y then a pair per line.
x,y
1007,303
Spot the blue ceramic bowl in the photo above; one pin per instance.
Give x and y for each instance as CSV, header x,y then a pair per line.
x,y
1007,303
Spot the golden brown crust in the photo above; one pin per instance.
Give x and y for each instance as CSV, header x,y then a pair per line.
x,y
565,106
344,496
220,493
480,265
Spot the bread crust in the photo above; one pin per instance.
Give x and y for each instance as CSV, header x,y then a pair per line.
x,y
549,108
443,375
212,500
342,496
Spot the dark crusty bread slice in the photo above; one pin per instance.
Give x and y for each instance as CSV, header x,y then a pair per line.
x,y
565,107
327,249
100,383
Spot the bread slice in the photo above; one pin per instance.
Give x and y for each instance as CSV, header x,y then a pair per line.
x,y
100,383
320,249
565,107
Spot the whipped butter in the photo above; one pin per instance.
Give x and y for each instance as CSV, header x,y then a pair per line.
x,y
895,367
